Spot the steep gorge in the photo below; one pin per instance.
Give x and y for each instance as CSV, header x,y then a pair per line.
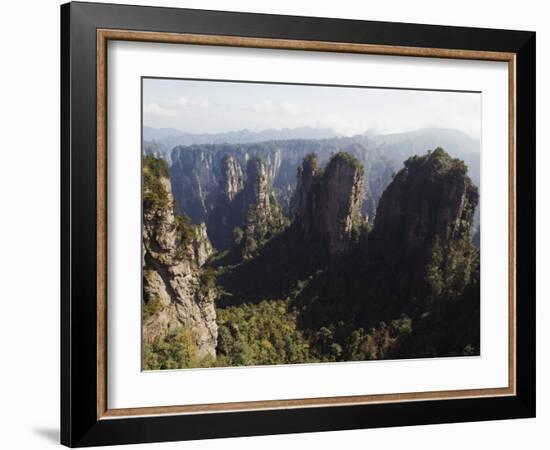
x,y
408,288
205,178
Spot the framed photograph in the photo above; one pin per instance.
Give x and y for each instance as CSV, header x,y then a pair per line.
x,y
276,224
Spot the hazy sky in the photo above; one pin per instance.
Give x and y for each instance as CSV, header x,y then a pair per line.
x,y
211,106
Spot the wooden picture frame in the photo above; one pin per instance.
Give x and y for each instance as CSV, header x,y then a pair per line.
x,y
86,418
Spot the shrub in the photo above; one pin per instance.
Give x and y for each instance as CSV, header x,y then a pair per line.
x,y
154,193
207,279
261,334
185,229
176,350
151,307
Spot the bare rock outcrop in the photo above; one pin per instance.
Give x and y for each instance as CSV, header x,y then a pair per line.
x,y
175,295
328,204
263,218
232,179
257,184
201,244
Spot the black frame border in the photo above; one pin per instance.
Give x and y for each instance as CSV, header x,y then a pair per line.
x,y
79,424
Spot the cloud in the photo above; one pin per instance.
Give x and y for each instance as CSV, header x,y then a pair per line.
x,y
287,114
181,102
341,125
279,108
154,109
171,108
207,107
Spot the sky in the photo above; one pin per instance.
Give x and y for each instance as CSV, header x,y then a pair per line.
x,y
199,106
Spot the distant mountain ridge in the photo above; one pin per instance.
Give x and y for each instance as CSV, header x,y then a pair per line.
x,y
172,137
162,140
394,147
423,137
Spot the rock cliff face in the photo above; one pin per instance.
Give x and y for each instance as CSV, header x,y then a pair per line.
x,y
430,199
226,209
201,245
232,178
328,204
257,186
426,216
205,176
175,297
263,217
209,181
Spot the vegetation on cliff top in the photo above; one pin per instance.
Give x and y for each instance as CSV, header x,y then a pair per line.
x,y
154,193
345,158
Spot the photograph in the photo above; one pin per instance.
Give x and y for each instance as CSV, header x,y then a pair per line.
x,y
278,222
298,224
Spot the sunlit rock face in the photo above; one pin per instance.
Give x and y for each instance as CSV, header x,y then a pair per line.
x,y
173,253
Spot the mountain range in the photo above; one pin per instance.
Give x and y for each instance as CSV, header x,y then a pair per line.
x,y
202,173
266,253
163,140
